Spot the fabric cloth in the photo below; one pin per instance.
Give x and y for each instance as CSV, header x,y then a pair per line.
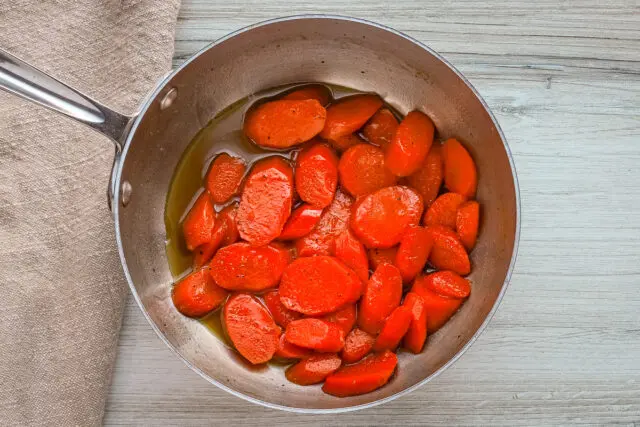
x,y
63,288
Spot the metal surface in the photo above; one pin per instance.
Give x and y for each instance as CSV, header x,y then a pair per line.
x,y
340,51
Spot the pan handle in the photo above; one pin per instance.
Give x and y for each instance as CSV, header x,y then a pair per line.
x,y
25,81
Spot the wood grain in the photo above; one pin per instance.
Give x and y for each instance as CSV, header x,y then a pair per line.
x,y
563,79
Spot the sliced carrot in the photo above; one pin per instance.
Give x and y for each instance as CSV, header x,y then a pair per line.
x,y
467,220
199,222
281,314
314,369
439,309
203,253
349,114
320,93
362,170
351,252
357,345
224,177
242,267
417,333
378,256
227,216
381,296
334,220
251,328
343,143
318,285
410,144
381,128
413,252
379,219
197,294
284,123
288,351
266,201
394,329
345,317
303,219
443,210
317,175
447,253
448,284
460,175
427,180
369,374
316,334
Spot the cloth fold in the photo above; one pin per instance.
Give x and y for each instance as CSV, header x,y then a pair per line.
x,y
62,284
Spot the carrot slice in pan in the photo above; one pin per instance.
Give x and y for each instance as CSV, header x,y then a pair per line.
x,y
381,128
227,217
357,345
417,333
447,253
343,143
369,374
224,177
351,252
439,309
199,222
394,329
381,296
379,219
281,314
266,201
345,317
315,334
413,252
320,93
460,175
317,175
427,180
251,328
444,210
410,144
284,123
378,256
288,351
242,267
467,220
225,232
362,170
349,114
303,219
314,369
197,294
448,284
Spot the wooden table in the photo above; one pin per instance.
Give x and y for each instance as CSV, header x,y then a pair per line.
x,y
563,79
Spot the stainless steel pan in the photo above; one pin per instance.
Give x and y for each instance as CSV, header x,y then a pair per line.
x,y
342,51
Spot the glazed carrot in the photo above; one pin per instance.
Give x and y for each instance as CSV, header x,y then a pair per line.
x,y
303,219
197,294
460,175
448,284
242,267
394,329
227,217
379,256
224,177
281,314
333,221
351,252
250,328
439,309
343,143
199,222
379,219
413,252
447,253
349,114
314,369
381,296
345,317
381,128
417,333
317,175
318,285
320,93
203,253
288,351
410,144
467,219
427,180
362,170
315,334
444,210
357,345
284,123
369,374
266,201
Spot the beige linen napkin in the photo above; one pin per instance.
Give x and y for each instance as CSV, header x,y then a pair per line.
x,y
63,289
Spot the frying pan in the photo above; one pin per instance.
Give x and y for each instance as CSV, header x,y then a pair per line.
x,y
312,48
